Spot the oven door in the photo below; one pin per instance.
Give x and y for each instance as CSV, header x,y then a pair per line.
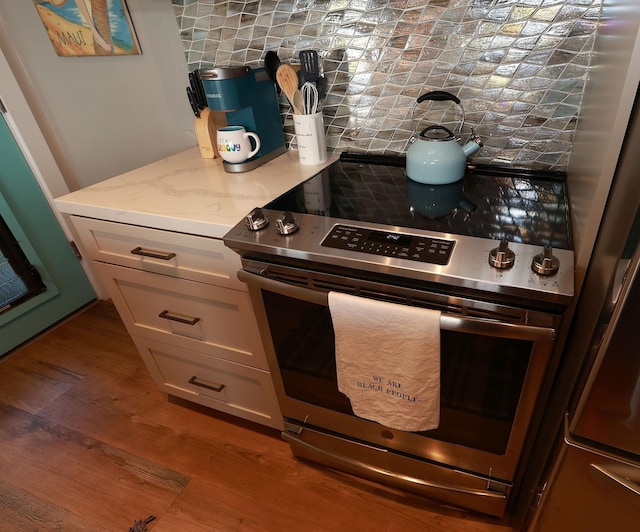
x,y
493,359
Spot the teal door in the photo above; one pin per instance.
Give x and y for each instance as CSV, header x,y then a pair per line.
x,y
25,210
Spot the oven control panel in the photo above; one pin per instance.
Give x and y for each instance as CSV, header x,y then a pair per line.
x,y
390,244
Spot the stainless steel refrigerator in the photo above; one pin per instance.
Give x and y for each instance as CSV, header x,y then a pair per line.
x,y
594,481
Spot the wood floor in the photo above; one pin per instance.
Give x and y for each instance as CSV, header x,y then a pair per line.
x,y
87,442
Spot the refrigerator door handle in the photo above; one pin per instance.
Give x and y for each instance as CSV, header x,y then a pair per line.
x,y
619,476
619,472
572,441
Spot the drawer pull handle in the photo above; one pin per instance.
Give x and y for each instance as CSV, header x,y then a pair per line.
x,y
217,388
153,254
167,316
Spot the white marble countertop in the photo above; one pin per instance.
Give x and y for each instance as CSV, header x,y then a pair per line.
x,y
187,193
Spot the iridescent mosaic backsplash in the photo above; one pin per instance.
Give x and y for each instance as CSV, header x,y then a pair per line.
x,y
518,66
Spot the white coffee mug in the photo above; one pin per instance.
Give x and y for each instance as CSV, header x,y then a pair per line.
x,y
234,144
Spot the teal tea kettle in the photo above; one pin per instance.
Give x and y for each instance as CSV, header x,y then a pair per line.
x,y
436,157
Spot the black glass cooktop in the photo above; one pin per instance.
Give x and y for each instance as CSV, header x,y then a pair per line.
x,y
523,206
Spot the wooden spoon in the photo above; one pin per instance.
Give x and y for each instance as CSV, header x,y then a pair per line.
x,y
288,81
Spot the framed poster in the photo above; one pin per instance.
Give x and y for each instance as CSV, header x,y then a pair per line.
x,y
88,27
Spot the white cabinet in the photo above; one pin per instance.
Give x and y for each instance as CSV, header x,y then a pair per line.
x,y
189,316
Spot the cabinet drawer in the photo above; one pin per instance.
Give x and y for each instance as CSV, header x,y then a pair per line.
x,y
232,388
211,319
197,258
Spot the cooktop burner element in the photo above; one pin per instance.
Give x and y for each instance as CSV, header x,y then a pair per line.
x,y
496,230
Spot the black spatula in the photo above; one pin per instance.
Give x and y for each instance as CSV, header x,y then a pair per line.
x,y
310,65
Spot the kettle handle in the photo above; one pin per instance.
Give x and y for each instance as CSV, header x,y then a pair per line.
x,y
439,96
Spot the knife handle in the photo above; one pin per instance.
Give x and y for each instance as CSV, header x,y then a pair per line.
x,y
192,101
200,92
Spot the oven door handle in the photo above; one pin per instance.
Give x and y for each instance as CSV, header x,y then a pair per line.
x,y
448,322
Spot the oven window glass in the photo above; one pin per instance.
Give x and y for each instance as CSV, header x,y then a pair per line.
x,y
481,376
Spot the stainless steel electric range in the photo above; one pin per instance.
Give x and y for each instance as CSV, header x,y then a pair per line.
x,y
491,252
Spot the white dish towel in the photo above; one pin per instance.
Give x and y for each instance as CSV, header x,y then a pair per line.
x,y
388,361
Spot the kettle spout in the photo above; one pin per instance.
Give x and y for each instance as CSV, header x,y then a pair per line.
x,y
474,144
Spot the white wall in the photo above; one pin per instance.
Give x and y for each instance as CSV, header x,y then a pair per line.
x,y
102,116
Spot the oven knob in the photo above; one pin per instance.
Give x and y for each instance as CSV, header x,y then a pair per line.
x,y
545,263
286,223
256,219
502,257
